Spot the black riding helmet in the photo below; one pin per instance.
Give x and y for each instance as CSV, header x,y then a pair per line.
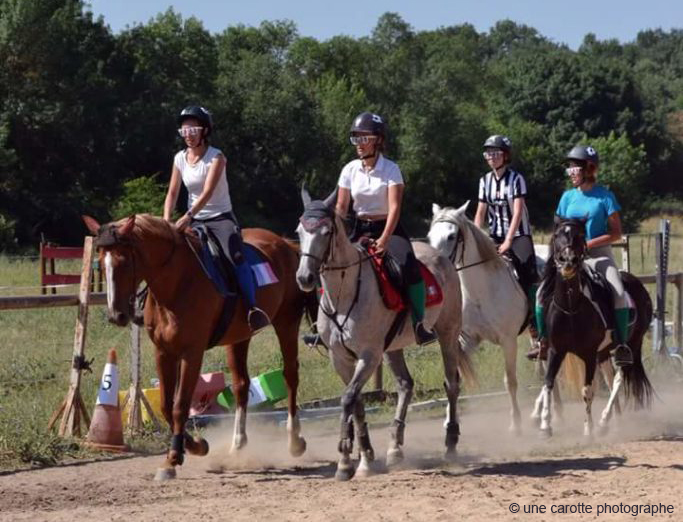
x,y
584,154
498,141
198,113
369,122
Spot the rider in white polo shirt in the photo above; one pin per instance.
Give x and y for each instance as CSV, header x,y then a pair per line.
x,y
376,185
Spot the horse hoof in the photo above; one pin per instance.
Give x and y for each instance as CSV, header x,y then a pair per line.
x,y
364,470
546,433
451,455
198,447
297,447
164,474
394,457
515,430
344,473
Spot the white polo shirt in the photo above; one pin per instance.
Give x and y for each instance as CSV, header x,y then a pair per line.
x,y
194,177
370,189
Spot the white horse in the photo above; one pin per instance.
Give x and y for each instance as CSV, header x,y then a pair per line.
x,y
494,304
355,325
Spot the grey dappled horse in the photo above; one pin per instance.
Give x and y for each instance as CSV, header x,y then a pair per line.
x,y
353,323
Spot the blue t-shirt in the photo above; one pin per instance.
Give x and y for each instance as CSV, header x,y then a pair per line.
x,y
597,205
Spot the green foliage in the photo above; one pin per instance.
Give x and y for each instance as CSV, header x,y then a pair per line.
x,y
624,169
87,114
143,195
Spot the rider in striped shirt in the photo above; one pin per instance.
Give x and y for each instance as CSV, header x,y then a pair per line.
x,y
502,192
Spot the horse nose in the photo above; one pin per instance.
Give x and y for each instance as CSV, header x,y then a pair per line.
x,y
118,318
305,280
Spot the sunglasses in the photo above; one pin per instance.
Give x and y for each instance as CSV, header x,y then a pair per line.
x,y
492,154
190,131
573,171
361,140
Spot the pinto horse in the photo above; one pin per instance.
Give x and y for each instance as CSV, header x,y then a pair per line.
x,y
183,309
575,326
360,330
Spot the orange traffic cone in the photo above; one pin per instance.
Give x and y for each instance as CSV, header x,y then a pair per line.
x,y
106,429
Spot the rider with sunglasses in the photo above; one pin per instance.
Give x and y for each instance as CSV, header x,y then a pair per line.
x,y
502,193
597,204
376,185
201,168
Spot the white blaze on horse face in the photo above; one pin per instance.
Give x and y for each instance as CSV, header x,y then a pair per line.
x,y
109,275
442,237
305,270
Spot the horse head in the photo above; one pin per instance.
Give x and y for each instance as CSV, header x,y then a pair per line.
x,y
569,245
316,229
445,233
114,242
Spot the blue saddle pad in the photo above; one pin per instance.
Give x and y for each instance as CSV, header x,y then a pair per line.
x,y
221,272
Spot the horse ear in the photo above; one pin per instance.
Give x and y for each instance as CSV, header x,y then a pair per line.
x,y
435,209
125,229
305,196
462,209
331,200
557,220
92,224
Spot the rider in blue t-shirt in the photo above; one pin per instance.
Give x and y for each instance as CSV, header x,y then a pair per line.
x,y
597,204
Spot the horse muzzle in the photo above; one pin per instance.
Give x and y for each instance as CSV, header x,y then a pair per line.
x,y
306,280
568,271
119,318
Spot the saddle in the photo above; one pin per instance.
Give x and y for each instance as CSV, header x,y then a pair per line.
x,y
220,270
598,291
390,280
221,273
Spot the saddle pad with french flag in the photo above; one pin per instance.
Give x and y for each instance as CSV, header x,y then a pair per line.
x,y
260,266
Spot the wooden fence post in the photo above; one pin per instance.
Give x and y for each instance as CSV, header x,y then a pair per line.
x,y
73,406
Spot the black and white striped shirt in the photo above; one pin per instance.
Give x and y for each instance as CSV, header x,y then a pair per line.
x,y
499,196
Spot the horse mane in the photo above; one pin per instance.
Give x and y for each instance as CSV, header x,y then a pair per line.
x,y
486,247
549,274
147,226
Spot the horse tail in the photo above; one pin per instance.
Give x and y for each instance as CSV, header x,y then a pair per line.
x,y
636,382
573,374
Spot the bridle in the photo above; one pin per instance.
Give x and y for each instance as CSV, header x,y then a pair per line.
x,y
558,266
459,240
109,237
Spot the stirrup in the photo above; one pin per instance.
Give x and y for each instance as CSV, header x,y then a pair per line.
x,y
422,335
539,351
622,355
257,319
312,340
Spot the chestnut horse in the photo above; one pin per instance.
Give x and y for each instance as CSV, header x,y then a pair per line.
x,y
182,310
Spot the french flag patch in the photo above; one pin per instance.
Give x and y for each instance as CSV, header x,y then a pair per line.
x,y
264,274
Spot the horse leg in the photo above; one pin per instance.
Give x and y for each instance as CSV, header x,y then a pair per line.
x,y
237,362
190,365
289,346
510,354
366,451
610,377
555,359
613,401
588,392
167,370
449,354
361,371
404,387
